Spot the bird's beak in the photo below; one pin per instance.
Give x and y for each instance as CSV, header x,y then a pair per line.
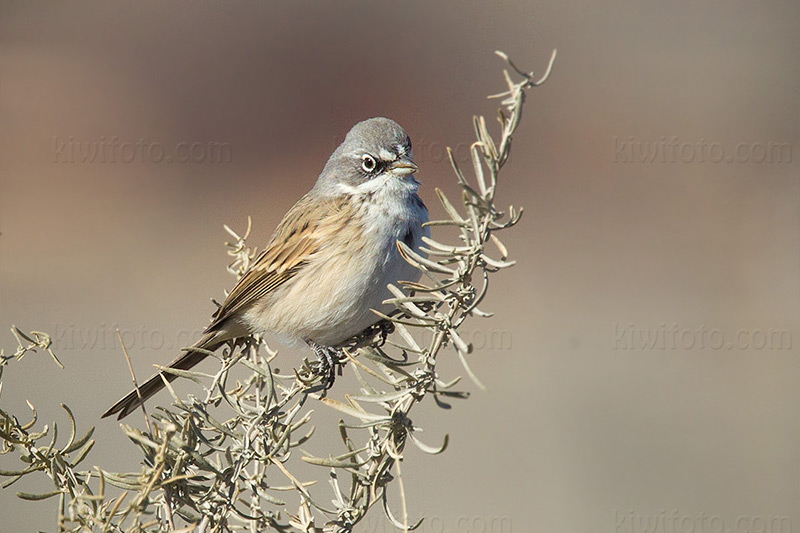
x,y
402,167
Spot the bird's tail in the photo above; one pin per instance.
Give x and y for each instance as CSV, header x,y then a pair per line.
x,y
210,341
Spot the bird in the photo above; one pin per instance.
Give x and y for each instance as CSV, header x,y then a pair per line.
x,y
326,269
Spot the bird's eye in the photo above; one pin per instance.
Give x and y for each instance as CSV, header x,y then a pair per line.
x,y
368,163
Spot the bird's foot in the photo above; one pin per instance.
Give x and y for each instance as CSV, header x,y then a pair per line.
x,y
374,335
328,358
385,328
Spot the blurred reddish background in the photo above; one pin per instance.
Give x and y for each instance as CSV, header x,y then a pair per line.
x,y
586,426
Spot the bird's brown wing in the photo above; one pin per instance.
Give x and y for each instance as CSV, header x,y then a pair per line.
x,y
301,233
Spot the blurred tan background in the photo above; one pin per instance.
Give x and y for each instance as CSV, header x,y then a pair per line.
x,y
587,425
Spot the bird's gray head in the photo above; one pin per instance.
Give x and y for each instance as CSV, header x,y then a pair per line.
x,y
375,153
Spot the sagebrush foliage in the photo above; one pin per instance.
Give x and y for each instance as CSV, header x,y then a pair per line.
x,y
224,462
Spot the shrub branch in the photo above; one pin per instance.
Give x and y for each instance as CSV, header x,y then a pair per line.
x,y
225,462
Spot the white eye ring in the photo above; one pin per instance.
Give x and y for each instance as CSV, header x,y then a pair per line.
x,y
368,163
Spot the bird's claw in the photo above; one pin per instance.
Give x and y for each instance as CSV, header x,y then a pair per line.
x,y
328,359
